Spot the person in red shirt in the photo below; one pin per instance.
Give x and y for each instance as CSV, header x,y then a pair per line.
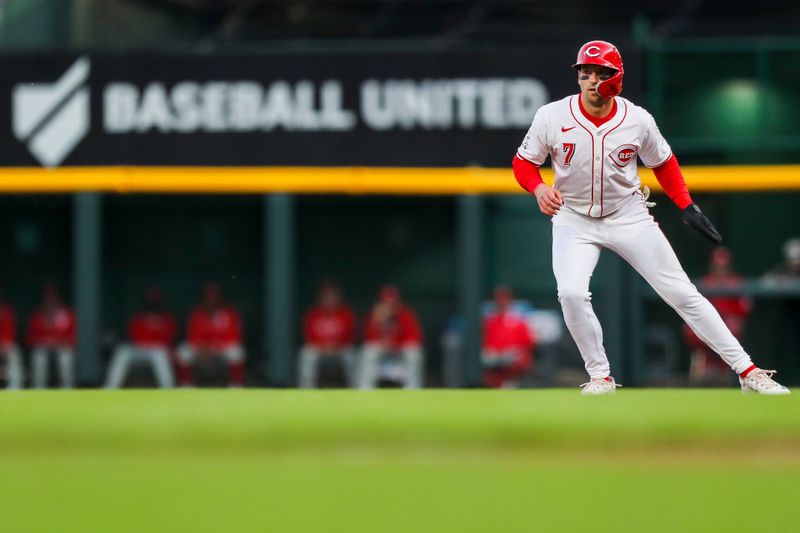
x,y
508,343
9,351
152,333
214,330
328,332
734,310
392,332
51,330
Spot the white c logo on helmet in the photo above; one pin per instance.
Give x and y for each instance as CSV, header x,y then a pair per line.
x,y
593,51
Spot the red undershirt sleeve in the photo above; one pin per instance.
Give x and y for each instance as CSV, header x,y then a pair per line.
x,y
527,174
670,177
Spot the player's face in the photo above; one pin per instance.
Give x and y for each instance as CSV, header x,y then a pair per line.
x,y
329,297
588,78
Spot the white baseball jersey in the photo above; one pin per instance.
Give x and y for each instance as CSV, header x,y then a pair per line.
x,y
595,167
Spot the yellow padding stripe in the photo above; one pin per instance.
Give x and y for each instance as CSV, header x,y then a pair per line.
x,y
352,180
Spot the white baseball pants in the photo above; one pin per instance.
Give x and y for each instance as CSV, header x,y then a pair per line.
x,y
371,356
308,365
232,354
14,371
127,354
632,234
65,356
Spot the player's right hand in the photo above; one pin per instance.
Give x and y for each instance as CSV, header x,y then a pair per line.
x,y
549,199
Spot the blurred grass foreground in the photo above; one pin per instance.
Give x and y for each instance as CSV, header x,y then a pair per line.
x,y
209,460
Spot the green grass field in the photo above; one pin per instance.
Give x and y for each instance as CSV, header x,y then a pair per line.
x,y
398,461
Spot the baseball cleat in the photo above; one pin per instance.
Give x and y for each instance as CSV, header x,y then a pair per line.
x,y
760,381
600,386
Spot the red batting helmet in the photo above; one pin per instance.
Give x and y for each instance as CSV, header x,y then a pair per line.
x,y
606,55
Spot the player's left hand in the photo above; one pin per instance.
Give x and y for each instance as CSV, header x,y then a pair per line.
x,y
692,216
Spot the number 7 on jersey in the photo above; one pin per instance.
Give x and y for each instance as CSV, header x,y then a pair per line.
x,y
569,151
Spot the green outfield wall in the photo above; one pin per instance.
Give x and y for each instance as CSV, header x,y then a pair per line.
x,y
179,242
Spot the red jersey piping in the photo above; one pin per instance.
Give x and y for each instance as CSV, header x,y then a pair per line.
x,y
592,136
603,151
598,121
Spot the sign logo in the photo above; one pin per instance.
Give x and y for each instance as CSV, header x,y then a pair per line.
x,y
624,155
52,118
593,51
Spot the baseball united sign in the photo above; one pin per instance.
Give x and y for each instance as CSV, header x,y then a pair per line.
x,y
390,110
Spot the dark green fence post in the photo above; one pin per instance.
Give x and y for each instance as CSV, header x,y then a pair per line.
x,y
279,298
86,275
636,330
615,318
470,289
654,55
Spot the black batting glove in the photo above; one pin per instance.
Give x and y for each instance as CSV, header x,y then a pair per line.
x,y
693,217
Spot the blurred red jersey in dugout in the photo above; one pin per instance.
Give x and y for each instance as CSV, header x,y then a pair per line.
x,y
52,328
217,328
504,333
151,328
8,325
329,327
391,322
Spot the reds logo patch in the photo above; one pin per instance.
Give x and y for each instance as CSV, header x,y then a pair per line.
x,y
623,155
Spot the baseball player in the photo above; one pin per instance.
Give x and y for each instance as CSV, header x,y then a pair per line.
x,y
593,139
392,331
788,270
329,333
9,351
508,343
51,330
152,333
733,309
214,330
